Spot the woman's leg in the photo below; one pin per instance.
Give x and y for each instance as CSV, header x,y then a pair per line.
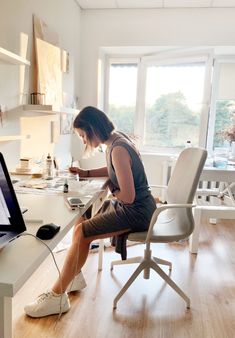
x,y
57,301
77,256
75,259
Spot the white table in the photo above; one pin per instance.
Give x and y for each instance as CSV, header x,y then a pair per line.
x,y
226,177
216,208
20,258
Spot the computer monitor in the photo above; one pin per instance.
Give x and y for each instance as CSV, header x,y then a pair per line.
x,y
11,220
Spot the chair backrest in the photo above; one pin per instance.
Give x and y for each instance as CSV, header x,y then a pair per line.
x,y
181,189
185,176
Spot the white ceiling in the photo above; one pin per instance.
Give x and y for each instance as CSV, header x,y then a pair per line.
x,y
117,4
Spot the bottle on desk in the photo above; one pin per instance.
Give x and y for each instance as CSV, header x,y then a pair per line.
x,y
188,144
48,173
66,186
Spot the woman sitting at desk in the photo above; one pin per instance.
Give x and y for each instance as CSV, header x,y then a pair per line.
x,y
130,209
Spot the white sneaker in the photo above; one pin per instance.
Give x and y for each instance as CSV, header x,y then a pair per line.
x,y
77,284
48,304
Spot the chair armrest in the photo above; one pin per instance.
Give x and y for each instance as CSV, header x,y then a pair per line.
x,y
159,210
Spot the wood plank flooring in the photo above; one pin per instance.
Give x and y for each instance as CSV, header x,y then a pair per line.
x,y
149,308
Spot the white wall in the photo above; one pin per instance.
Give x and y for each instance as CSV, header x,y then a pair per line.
x,y
16,17
104,28
138,28
163,27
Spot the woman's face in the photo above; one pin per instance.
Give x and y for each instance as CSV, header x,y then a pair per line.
x,y
94,143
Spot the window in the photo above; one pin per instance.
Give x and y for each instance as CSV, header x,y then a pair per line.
x,y
164,102
173,102
121,98
223,102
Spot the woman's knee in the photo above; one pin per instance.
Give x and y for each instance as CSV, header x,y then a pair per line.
x,y
77,232
78,235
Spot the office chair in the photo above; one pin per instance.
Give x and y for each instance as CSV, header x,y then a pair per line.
x,y
170,222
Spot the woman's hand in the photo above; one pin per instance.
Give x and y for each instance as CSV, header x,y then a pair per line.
x,y
79,171
110,185
99,172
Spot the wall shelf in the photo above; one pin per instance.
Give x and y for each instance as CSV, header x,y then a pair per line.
x,y
39,108
8,138
48,109
7,57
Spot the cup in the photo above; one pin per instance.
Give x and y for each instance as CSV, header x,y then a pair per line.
x,y
220,158
37,98
24,162
220,163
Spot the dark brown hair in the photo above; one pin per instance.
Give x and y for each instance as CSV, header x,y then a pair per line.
x,y
94,122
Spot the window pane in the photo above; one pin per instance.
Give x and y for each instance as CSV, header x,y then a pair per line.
x,y
224,118
225,105
122,95
173,104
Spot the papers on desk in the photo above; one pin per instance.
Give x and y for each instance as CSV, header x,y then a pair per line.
x,y
34,185
43,187
88,188
38,187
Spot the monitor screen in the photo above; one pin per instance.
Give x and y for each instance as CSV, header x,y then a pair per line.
x,y
10,213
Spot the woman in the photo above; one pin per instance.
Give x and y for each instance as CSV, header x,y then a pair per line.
x,y
130,209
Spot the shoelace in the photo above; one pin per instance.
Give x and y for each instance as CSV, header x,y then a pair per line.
x,y
43,296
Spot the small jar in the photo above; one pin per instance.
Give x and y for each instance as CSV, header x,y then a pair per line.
x,y
188,144
66,186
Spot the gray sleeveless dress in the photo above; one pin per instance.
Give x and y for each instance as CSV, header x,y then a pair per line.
x,y
116,216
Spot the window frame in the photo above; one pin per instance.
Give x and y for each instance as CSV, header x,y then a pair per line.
x,y
175,58
218,61
119,60
163,58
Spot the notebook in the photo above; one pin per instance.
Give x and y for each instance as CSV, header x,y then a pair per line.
x,y
11,220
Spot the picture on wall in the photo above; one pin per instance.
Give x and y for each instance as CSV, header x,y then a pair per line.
x,y
48,63
66,123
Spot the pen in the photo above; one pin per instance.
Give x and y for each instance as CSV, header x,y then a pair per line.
x,y
54,162
71,162
24,210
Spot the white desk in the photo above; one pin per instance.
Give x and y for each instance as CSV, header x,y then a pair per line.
x,y
216,208
225,176
216,174
20,258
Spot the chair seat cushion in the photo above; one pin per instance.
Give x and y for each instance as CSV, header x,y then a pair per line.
x,y
170,227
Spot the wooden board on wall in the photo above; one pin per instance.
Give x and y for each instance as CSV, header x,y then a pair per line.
x,y
41,130
48,63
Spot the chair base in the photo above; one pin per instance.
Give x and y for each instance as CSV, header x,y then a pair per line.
x,y
138,259
146,264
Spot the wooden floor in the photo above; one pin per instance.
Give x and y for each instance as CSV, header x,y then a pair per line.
x,y
149,308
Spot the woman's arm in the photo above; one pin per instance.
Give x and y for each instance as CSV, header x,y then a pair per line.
x,y
99,172
122,165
